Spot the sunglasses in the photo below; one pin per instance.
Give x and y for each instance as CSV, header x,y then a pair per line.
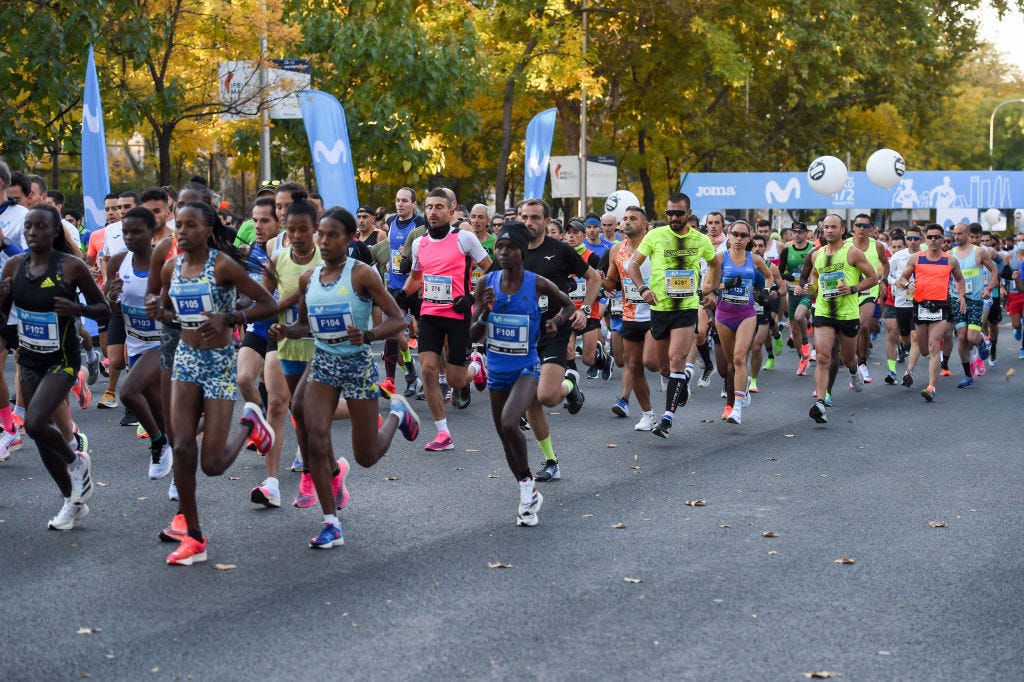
x,y
676,214
740,235
911,238
935,236
864,225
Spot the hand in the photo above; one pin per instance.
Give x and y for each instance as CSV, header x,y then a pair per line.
x,y
154,310
550,328
488,299
275,332
911,286
844,289
114,290
214,325
578,319
710,300
355,336
649,297
5,288
65,307
963,306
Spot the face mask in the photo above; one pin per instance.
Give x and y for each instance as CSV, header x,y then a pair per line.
x,y
1020,246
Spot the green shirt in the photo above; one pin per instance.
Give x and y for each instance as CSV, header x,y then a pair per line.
x,y
675,266
832,271
246,233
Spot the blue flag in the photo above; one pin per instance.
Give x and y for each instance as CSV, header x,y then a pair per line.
x,y
539,135
327,131
95,178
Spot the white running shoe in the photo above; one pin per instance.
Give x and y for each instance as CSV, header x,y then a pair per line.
x,y
162,466
530,500
81,478
865,375
9,442
647,422
68,515
735,415
297,465
172,492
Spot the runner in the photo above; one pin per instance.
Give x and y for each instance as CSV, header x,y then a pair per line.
x,y
506,305
128,277
675,251
977,289
793,258
931,270
396,350
875,252
442,261
339,295
899,313
763,312
42,287
841,273
199,289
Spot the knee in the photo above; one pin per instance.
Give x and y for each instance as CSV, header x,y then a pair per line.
x,y
211,469
509,430
739,359
36,425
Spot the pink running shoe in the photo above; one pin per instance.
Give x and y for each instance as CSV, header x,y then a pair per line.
x,y
480,379
443,441
262,433
338,484
81,391
306,497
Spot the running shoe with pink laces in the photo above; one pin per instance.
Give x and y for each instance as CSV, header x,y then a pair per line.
x,y
480,378
262,433
176,531
190,551
338,484
306,496
443,441
81,391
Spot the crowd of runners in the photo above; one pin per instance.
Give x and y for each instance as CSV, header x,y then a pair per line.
x,y
179,309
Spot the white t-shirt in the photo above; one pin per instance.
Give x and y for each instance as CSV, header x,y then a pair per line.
x,y
113,240
901,298
12,220
468,244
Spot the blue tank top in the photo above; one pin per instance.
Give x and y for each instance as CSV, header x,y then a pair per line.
x,y
193,296
334,307
396,240
738,298
974,280
513,326
257,261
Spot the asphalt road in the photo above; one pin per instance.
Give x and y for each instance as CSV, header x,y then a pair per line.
x,y
621,579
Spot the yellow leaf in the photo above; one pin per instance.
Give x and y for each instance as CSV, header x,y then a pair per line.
x,y
938,524
619,525
611,445
769,534
1009,373
696,503
498,564
844,561
773,553
627,579
101,484
225,567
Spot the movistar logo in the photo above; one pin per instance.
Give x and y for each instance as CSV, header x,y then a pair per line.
x,y
773,192
716,191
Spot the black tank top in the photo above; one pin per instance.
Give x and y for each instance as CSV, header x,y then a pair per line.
x,y
45,339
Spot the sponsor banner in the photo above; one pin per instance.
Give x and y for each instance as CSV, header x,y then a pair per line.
x,y
917,190
602,176
239,86
95,179
327,132
539,134
948,217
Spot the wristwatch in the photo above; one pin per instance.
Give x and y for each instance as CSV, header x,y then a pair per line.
x,y
586,309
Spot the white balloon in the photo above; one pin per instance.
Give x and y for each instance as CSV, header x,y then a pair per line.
x,y
618,201
992,216
827,175
885,168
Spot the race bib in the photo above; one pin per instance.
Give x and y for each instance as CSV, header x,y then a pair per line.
x,y
925,315
138,325
579,291
190,301
740,294
631,291
437,289
508,334
329,322
680,283
758,309
396,260
291,314
476,274
968,286
829,283
37,332
542,302
615,305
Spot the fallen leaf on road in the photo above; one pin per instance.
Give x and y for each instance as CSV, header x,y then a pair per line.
x,y
141,499
724,525
498,564
696,503
611,445
85,676
619,526
1009,373
391,478
844,561
234,478
821,675
492,475
101,484
771,459
631,580
938,524
773,553
471,450
790,435
587,516
87,631
224,567
769,534
459,469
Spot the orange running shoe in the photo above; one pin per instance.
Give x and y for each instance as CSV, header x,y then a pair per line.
x,y
726,412
81,391
189,552
175,532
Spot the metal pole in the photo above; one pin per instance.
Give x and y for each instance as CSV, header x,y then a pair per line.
x,y
264,113
583,124
992,129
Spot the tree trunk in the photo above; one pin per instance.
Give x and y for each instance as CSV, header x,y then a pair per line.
x,y
163,140
55,174
501,185
645,177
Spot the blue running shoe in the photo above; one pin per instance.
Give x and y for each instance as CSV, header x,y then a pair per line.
x,y
1017,333
828,400
983,349
621,408
966,382
408,421
329,537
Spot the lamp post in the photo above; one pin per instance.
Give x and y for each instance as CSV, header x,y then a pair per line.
x,y
583,124
992,127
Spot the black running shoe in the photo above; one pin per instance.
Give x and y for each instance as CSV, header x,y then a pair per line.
x,y
574,400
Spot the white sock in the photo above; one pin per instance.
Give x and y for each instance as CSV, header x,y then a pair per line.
x,y
272,482
333,520
473,369
442,425
73,444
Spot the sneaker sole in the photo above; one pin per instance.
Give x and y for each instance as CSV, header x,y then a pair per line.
x,y
194,559
82,513
257,497
619,412
333,543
